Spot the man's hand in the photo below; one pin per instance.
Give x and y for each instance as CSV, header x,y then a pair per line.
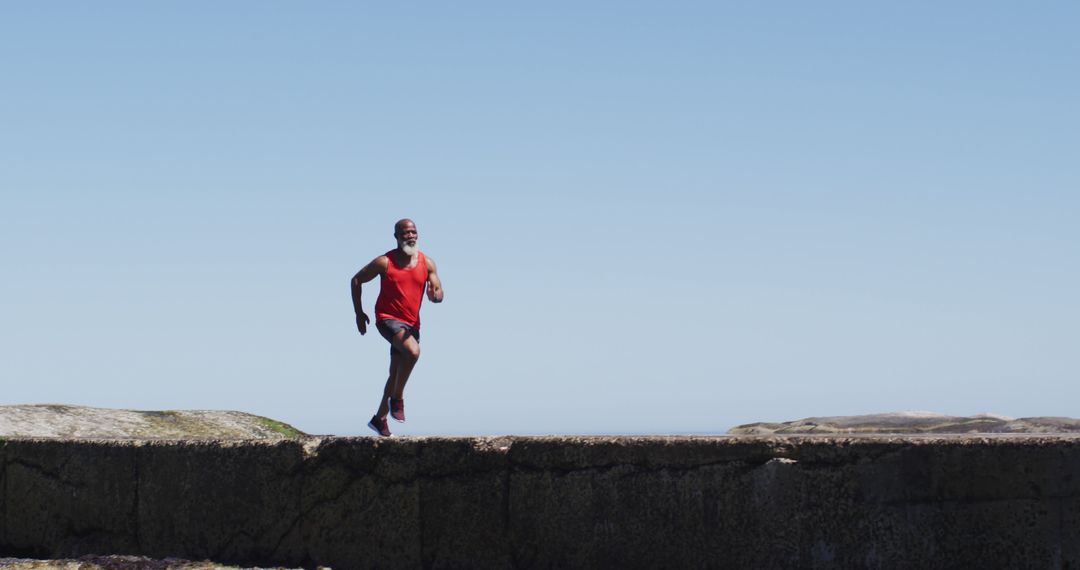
x,y
370,271
434,294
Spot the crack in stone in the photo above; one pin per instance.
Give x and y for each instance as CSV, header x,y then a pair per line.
x,y
298,522
305,512
420,522
138,535
47,473
225,548
4,490
415,477
87,532
294,525
639,468
968,501
508,535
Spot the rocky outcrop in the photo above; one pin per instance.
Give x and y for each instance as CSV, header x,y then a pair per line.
x,y
71,422
113,562
912,423
570,502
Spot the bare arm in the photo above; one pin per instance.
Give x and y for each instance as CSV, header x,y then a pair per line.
x,y
370,271
434,284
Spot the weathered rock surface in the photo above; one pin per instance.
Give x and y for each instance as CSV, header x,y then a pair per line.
x,y
862,501
115,562
80,422
911,423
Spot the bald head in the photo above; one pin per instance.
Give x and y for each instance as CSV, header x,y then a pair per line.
x,y
400,226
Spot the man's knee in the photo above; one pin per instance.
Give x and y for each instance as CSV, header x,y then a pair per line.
x,y
409,350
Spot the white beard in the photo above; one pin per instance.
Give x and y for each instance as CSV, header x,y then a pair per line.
x,y
410,250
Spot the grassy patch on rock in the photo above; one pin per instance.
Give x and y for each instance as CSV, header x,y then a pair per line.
x,y
281,427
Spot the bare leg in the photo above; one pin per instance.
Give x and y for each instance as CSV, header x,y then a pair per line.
x,y
408,353
388,390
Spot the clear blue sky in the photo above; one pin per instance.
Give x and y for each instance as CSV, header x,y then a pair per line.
x,y
649,217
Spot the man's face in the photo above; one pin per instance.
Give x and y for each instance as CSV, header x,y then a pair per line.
x,y
406,235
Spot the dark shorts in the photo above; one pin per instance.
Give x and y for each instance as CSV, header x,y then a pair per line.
x,y
389,327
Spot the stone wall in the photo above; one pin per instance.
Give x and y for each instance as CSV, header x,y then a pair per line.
x,y
724,502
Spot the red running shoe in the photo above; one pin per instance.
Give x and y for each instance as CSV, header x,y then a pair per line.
x,y
379,426
397,409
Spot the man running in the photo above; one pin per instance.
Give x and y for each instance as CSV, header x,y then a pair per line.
x,y
405,272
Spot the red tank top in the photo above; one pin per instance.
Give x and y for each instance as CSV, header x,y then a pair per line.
x,y
401,291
